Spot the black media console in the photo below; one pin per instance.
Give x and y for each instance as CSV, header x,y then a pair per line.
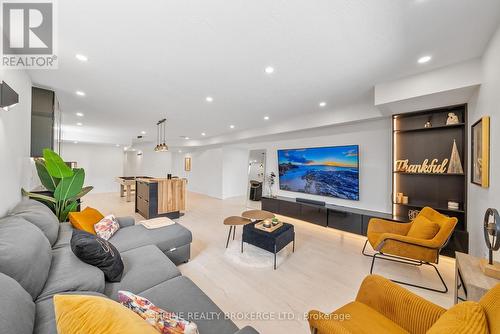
x,y
339,217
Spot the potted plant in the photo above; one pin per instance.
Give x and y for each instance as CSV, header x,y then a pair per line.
x,y
65,184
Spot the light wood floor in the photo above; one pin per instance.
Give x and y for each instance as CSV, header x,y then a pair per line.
x,y
324,272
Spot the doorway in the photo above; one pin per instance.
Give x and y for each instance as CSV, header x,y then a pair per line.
x,y
256,176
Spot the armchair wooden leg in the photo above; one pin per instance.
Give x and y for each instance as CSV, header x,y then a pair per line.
x,y
410,262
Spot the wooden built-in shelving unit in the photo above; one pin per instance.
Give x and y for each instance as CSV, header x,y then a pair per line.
x,y
415,142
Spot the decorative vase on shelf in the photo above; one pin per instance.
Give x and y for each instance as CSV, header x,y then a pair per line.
x,y
455,166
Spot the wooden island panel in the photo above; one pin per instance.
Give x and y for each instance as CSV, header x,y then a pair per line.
x,y
171,195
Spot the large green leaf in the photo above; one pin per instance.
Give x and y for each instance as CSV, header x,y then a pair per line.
x,y
47,180
55,165
70,187
63,214
82,193
40,197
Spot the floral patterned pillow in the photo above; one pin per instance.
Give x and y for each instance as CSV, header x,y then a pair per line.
x,y
165,322
106,227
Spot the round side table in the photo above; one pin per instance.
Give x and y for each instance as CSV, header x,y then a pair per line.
x,y
234,221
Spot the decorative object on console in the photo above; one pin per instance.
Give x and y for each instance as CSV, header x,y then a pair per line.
x,y
404,200
106,227
96,315
453,205
161,145
491,228
455,166
424,168
412,214
428,124
270,179
64,182
452,119
98,252
187,164
8,97
399,198
164,321
480,152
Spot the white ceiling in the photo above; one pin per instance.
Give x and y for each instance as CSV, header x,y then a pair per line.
x,y
154,59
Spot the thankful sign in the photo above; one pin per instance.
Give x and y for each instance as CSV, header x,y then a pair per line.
x,y
434,167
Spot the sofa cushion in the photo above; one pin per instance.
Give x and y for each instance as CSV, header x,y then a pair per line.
x,y
85,220
163,320
64,237
182,296
165,238
17,310
96,315
25,253
39,215
98,252
466,317
106,227
45,322
423,228
68,273
145,267
357,317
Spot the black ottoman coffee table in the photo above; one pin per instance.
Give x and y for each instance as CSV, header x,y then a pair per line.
x,y
270,241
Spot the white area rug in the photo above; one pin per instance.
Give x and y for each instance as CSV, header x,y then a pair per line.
x,y
253,256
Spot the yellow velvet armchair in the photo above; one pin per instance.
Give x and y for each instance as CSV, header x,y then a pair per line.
x,y
384,307
416,243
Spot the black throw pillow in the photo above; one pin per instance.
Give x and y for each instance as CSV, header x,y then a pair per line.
x,y
97,252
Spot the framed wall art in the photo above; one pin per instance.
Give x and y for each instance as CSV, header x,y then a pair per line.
x,y
480,152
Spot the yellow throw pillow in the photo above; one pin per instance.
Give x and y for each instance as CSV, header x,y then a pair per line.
x,y
78,314
85,219
466,317
423,228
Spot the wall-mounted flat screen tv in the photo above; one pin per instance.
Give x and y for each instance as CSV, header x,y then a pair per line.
x,y
324,171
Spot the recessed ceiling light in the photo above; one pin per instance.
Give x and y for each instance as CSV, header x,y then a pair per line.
x,y
269,70
231,126
79,124
203,134
117,145
209,99
424,59
125,148
80,93
180,151
187,138
143,132
322,104
75,142
80,114
266,118
81,57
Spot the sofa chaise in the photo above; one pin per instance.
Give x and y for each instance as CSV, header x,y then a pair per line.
x,y
36,262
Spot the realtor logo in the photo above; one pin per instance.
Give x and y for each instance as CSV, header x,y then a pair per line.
x,y
28,35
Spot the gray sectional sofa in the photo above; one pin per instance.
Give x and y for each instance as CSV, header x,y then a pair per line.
x,y
36,262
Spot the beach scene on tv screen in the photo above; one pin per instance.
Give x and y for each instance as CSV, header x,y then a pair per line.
x,y
324,171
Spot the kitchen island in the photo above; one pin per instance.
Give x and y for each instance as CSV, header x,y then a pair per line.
x,y
160,197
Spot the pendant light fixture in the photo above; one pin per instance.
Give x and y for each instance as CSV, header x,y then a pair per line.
x,y
161,145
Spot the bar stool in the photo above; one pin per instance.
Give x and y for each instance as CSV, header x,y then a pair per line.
x,y
234,221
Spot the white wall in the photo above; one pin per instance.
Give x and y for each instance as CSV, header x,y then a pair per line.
x,y
150,163
486,103
374,140
205,176
15,134
235,172
102,164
